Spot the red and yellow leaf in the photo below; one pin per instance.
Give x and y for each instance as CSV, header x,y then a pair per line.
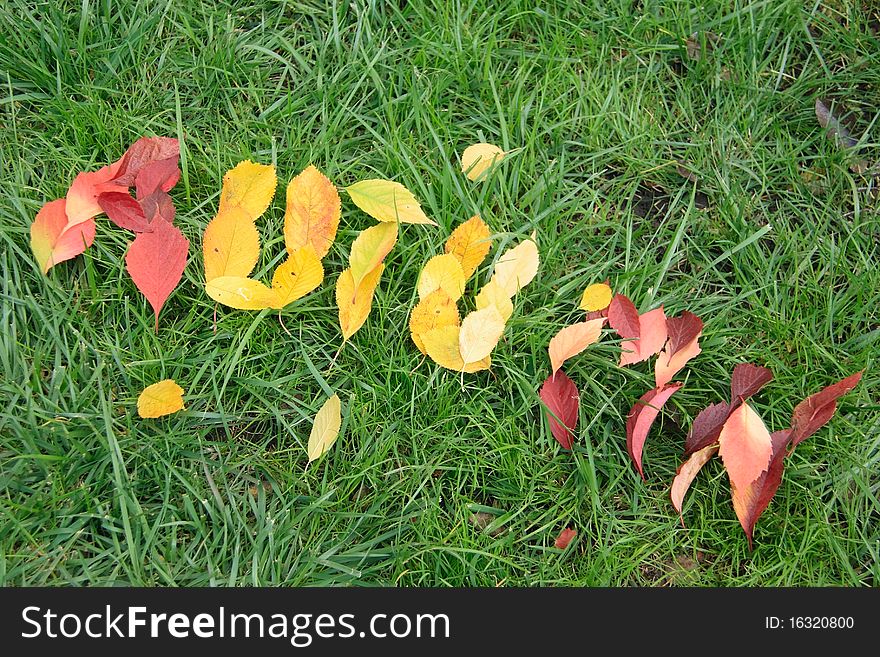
x,y
687,472
53,241
312,212
745,446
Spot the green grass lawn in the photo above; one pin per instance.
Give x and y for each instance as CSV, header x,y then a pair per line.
x,y
775,243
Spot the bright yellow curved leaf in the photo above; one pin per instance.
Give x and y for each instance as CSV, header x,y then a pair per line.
x,y
480,332
162,398
249,187
492,294
517,267
596,297
231,244
241,293
470,243
385,200
442,345
312,212
370,248
434,311
442,272
325,428
355,303
297,276
479,158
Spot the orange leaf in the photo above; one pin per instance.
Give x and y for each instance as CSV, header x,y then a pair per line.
x,y
573,339
745,446
652,336
312,213
687,471
52,241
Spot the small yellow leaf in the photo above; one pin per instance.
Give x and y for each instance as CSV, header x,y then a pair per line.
x,y
242,293
442,345
573,339
480,332
479,158
434,311
492,294
385,200
231,244
596,297
297,276
325,428
160,399
470,243
442,272
355,303
517,267
370,248
312,213
250,187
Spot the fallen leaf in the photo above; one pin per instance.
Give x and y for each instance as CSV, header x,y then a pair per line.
x,y
82,196
443,347
155,261
477,159
687,472
751,501
389,201
434,311
517,267
312,212
241,293
597,297
572,340
355,303
159,175
301,273
249,187
744,446
442,272
652,336
480,332
492,294
124,211
162,398
707,427
814,412
325,428
370,248
640,418
144,153
52,241
746,380
624,318
560,396
839,134
470,243
693,47
682,345
565,537
231,244
157,205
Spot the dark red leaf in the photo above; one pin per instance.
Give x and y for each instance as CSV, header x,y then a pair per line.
x,y
682,330
141,153
560,395
750,502
156,261
565,537
624,318
124,211
811,414
707,427
747,379
161,174
158,205
640,418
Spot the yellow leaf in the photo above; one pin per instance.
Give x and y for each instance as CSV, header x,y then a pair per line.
x,y
242,293
596,297
250,187
385,200
442,345
297,276
231,244
573,339
479,158
442,272
325,428
434,311
160,399
370,248
517,267
355,303
470,243
312,213
480,332
492,294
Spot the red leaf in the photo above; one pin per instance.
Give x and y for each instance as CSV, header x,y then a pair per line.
x,y
623,317
156,261
706,427
565,537
161,174
745,446
811,414
124,211
640,418
652,331
141,153
560,395
747,379
751,501
686,473
682,330
158,205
